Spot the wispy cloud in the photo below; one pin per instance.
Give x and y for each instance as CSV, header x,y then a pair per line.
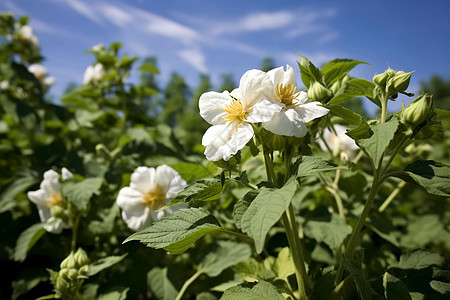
x,y
195,57
83,9
311,21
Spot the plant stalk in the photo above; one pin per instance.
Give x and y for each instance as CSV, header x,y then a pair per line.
x,y
186,284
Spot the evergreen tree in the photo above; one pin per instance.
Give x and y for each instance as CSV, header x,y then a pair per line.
x,y
267,64
176,94
228,83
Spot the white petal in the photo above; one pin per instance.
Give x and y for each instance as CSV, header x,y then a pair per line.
x,y
158,215
143,179
38,197
51,182
289,76
287,122
224,141
276,75
255,85
55,225
211,105
129,199
264,110
310,111
137,219
166,176
177,184
66,174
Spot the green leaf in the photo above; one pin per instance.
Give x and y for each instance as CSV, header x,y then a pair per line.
x,y
420,259
177,232
360,130
308,71
376,145
353,265
253,270
336,68
394,288
161,285
440,287
354,88
265,210
79,193
190,172
330,231
311,165
104,263
242,205
260,291
284,265
117,293
433,176
223,254
26,240
21,184
202,190
27,280
149,68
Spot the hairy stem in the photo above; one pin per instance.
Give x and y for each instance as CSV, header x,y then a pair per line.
x,y
186,284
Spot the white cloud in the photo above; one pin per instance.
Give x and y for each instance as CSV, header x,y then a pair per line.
x,y
194,57
311,22
84,9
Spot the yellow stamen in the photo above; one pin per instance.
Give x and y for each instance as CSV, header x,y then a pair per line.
x,y
286,93
155,198
236,111
55,199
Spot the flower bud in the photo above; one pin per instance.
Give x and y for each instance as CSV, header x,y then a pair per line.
x,y
57,211
69,262
62,285
380,79
81,258
84,270
418,110
277,142
73,274
401,81
317,92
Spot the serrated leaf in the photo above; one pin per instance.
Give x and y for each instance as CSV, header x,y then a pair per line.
x,y
360,128
332,232
117,293
284,265
190,172
394,288
432,176
79,193
311,165
253,270
242,205
420,259
376,145
177,232
308,71
260,291
201,190
26,240
161,285
334,69
354,88
265,210
222,255
104,263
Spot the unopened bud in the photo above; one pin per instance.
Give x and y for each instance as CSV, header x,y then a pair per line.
x,y
317,92
277,142
69,262
84,270
380,79
401,81
81,258
418,110
73,274
57,211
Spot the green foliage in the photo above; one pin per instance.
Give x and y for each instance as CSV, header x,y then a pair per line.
x,y
261,290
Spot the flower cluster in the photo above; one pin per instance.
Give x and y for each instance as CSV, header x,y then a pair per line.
x,y
49,200
270,99
41,75
150,190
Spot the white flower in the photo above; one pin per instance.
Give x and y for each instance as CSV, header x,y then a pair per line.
x,y
26,33
231,114
93,73
150,189
290,121
4,85
340,143
47,196
40,72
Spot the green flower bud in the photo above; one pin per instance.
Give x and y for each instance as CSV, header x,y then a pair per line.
x,y
62,286
401,81
317,92
390,72
277,142
73,274
418,110
335,87
81,258
84,270
57,211
380,79
69,262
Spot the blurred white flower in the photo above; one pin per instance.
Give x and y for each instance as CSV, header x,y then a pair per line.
x,y
290,121
93,73
40,73
231,114
98,47
4,85
26,33
340,143
150,189
48,196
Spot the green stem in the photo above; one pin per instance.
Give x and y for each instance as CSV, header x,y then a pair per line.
x,y
237,234
392,196
75,224
384,102
186,284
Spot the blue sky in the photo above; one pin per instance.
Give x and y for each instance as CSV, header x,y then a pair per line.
x,y
231,36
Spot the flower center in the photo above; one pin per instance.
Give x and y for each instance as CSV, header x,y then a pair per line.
x,y
54,199
236,111
155,198
286,93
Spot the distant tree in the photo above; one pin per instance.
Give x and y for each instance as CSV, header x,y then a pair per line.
x,y
69,87
440,89
174,103
267,64
228,83
148,79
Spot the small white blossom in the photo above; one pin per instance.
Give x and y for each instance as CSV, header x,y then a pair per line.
x,y
340,143
4,85
231,114
47,196
290,121
150,189
93,73
40,73
26,33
